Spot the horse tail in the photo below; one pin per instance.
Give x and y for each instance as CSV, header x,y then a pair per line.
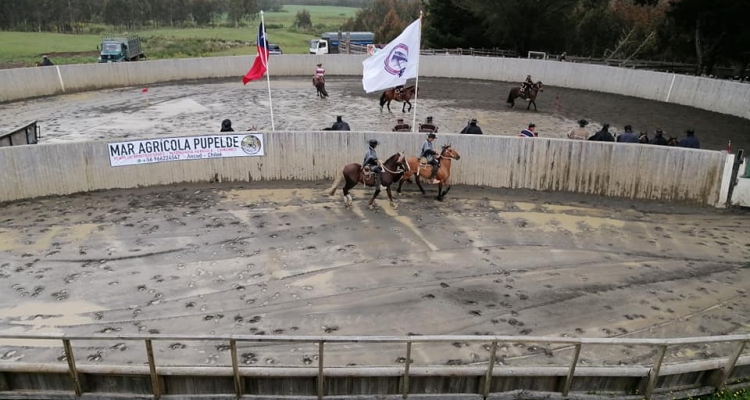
x,y
332,189
382,100
510,96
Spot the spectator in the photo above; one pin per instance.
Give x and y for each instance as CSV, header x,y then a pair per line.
x,y
579,133
226,126
340,125
428,126
628,136
472,128
529,132
46,61
603,135
659,138
690,141
401,126
562,56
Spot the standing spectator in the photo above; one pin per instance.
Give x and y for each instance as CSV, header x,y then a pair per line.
x,y
690,141
579,133
340,125
628,136
659,138
428,126
529,132
46,61
603,135
472,128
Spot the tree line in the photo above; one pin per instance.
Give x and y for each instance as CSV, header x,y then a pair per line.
x,y
702,32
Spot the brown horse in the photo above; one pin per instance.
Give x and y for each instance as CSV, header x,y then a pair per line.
x,y
443,175
320,84
390,95
529,95
393,169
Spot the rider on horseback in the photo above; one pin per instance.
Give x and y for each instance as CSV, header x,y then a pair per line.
x,y
320,72
431,155
399,90
526,85
371,159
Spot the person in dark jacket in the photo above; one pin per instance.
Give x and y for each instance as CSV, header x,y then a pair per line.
x,y
340,125
603,135
628,136
472,128
529,132
371,159
428,126
226,126
46,61
659,138
689,141
401,126
431,155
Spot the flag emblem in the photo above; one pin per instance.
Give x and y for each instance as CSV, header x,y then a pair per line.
x,y
397,60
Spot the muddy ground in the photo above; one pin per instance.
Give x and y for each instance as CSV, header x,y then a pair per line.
x,y
283,258
199,107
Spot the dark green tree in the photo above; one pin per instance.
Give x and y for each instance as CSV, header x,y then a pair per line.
x,y
302,20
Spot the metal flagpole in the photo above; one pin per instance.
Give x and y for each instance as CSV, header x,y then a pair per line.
x,y
416,84
268,75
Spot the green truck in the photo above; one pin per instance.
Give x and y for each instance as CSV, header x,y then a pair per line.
x,y
116,49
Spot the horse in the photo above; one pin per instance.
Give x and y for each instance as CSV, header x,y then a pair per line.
x,y
393,169
390,95
320,84
529,95
443,175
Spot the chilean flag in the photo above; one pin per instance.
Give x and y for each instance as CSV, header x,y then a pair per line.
x,y
260,66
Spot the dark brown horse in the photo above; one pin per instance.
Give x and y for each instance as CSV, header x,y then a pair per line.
x,y
390,95
393,169
529,95
320,84
443,175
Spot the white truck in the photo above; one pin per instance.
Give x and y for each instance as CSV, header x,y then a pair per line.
x,y
329,41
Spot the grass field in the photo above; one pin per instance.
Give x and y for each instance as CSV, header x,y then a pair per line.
x,y
24,48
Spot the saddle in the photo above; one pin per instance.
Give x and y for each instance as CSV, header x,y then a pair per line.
x,y
368,176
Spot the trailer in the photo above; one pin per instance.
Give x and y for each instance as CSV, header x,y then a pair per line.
x,y
117,49
329,41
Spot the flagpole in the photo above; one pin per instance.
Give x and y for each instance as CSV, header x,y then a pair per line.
x,y
416,84
268,64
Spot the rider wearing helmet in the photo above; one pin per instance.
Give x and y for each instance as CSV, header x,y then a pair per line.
x,y
429,153
371,159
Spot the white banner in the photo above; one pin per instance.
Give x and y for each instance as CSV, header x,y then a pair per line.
x,y
151,151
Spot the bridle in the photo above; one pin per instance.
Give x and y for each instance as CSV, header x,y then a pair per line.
x,y
400,165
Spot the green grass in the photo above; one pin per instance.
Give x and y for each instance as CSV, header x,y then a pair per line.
x,y
743,394
24,48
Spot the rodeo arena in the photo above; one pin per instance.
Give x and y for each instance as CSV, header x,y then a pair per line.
x,y
168,232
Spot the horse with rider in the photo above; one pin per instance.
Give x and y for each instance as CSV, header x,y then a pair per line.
x,y
527,91
319,81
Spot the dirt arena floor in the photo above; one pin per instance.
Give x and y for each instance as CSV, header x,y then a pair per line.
x,y
199,107
284,258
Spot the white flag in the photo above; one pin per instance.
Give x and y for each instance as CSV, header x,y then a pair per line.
x,y
395,63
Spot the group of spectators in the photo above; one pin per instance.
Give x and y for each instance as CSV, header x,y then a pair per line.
x,y
628,136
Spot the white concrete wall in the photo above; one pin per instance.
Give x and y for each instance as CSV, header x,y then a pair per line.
x,y
710,94
632,171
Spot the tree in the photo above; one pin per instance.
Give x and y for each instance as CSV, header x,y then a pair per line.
x,y
241,9
447,26
203,11
302,21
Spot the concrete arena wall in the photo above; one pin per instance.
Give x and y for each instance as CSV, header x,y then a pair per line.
x,y
630,171
726,97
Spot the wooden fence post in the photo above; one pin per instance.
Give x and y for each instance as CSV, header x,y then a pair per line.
x,y
152,367
72,367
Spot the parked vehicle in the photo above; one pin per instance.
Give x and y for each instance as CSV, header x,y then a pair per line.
x,y
274,49
329,41
121,49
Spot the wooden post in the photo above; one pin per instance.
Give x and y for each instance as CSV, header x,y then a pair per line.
x,y
406,370
488,377
733,180
152,367
236,369
321,379
72,367
654,373
729,366
571,371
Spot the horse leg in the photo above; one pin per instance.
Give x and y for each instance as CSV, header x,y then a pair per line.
x,y
390,196
347,196
416,178
388,103
371,204
440,191
447,189
533,101
400,183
